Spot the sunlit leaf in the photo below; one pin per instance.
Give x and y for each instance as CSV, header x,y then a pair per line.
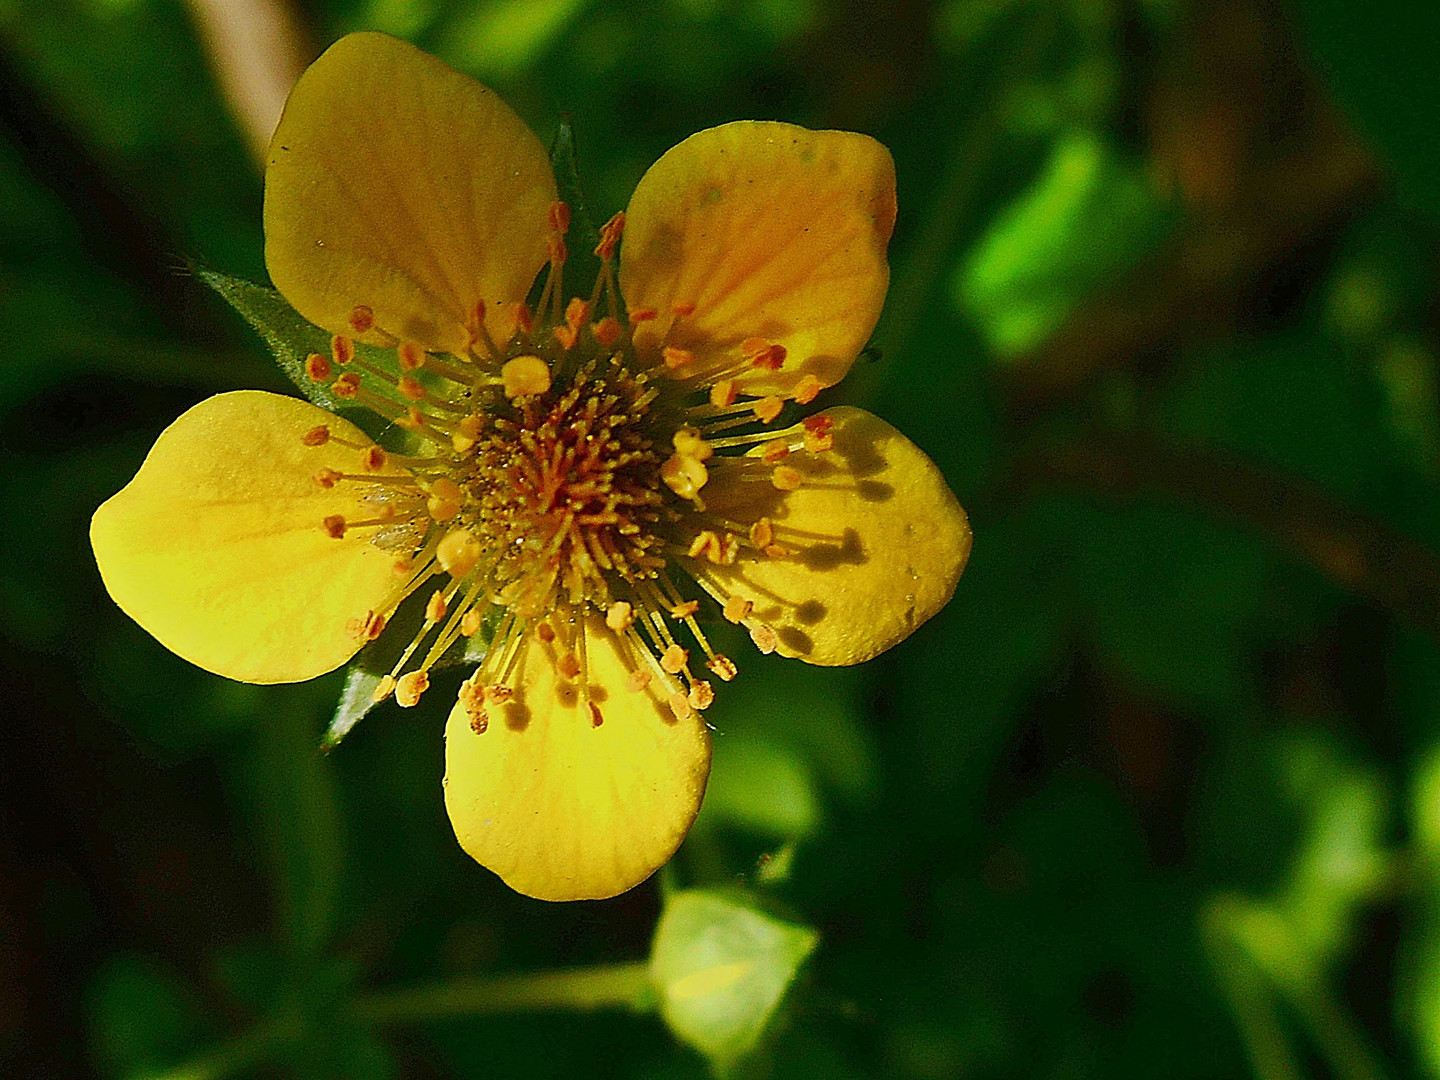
x,y
722,967
1088,215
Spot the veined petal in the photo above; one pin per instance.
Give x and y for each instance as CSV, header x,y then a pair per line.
x,y
563,809
217,547
772,232
874,542
397,183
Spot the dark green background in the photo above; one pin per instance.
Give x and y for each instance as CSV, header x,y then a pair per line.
x,y
1158,794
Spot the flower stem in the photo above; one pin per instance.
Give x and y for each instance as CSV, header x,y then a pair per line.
x,y
605,986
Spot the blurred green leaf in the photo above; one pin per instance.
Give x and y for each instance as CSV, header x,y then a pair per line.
x,y
762,786
500,38
1380,62
1088,215
142,1017
291,795
722,967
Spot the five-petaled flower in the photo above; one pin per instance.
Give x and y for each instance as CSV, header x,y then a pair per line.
x,y
593,479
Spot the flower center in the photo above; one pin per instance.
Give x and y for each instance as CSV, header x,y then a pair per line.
x,y
565,483
564,487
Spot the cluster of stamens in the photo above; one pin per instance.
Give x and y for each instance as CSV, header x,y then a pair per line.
x,y
561,486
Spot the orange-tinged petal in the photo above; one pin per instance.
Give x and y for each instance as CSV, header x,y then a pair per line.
x,y
873,542
563,809
397,183
216,547
773,233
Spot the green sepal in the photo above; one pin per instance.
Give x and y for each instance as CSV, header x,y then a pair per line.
x,y
721,965
564,160
375,661
292,339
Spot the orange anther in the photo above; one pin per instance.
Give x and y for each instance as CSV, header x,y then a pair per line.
x,y
362,318
558,251
819,424
723,393
445,499
641,314
346,386
498,695
470,623
674,659
685,610
786,478
342,349
596,717
687,441
764,637
680,705
568,665
334,526
566,336
327,478
763,354
727,551
577,312
373,626
458,552
737,609
681,311
409,688
723,666
316,436
637,680
684,475
806,389
774,451
778,551
620,616
610,236
410,388
523,316
317,367
479,721
677,358
818,442
545,632
607,331
401,568
702,696
411,356
383,689
413,420
704,541
559,216
762,533
374,459
768,408
525,375
436,606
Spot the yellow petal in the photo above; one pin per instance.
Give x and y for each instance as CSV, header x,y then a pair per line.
x,y
397,183
876,542
217,547
562,809
772,232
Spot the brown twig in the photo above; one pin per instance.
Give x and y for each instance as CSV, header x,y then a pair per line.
x,y
257,49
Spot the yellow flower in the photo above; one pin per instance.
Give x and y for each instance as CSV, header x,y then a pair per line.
x,y
593,472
